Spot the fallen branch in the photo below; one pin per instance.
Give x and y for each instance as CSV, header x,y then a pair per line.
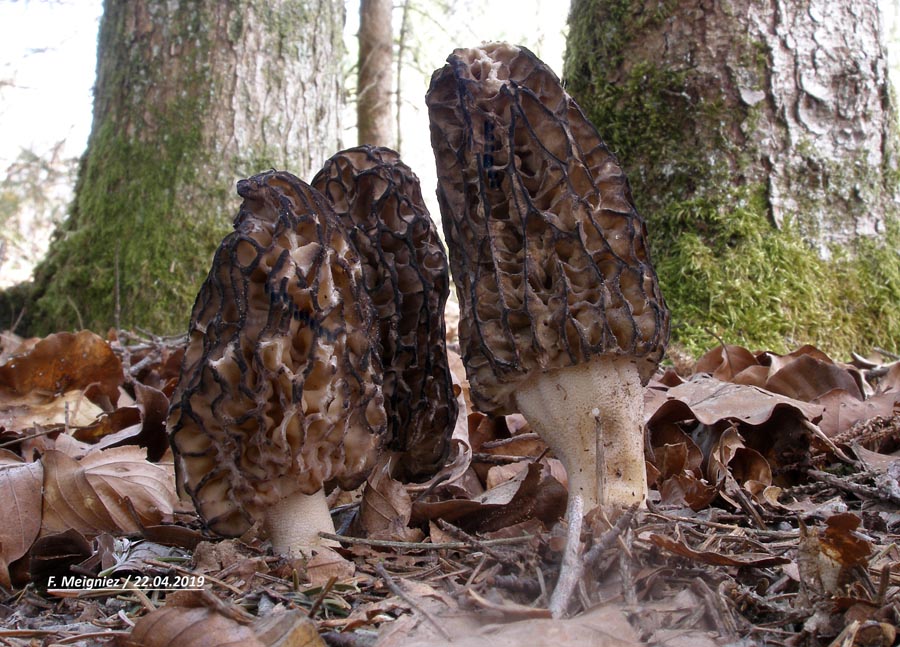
x,y
421,545
571,568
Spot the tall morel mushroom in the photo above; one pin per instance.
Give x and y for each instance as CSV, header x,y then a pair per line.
x,y
561,314
379,201
279,392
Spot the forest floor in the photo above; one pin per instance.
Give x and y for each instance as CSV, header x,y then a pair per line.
x,y
773,519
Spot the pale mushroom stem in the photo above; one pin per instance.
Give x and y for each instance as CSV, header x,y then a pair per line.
x,y
294,523
591,416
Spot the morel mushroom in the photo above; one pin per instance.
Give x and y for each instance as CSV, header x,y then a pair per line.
x,y
561,314
379,201
279,392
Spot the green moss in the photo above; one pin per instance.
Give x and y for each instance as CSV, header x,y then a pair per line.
x,y
731,275
132,237
145,219
727,273
725,269
653,117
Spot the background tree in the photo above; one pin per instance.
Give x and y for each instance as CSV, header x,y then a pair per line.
x,y
374,85
34,197
759,139
189,97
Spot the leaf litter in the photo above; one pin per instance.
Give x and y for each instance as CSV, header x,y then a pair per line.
x,y
773,519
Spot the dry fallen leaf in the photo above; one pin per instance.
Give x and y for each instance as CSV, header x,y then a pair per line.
x,y
458,373
730,454
891,381
674,451
660,620
54,555
688,490
20,498
71,409
532,493
287,629
843,409
760,560
69,500
807,377
65,362
104,491
725,362
325,565
709,400
197,627
385,508
199,619
827,559
605,626
12,344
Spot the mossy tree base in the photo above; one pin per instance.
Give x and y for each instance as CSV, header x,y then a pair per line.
x,y
769,196
189,98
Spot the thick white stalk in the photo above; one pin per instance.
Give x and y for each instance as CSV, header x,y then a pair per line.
x,y
591,416
294,523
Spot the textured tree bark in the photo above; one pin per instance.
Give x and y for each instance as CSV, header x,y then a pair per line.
x,y
792,95
189,97
374,115
759,137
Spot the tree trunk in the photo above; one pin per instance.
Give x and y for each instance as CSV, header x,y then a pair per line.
x,y
376,47
189,98
750,132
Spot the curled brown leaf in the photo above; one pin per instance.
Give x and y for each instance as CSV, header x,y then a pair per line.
x,y
20,497
115,490
64,362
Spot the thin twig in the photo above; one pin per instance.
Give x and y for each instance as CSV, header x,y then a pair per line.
x,y
146,602
776,534
609,537
883,583
862,491
314,609
421,545
186,571
134,369
224,608
117,308
89,636
879,371
400,593
499,459
887,353
629,591
539,576
518,438
474,542
571,569
478,568
720,613
37,434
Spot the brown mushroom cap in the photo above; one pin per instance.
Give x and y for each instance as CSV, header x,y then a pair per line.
x,y
379,201
548,252
280,384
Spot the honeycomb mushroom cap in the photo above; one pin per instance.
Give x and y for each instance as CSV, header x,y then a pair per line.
x,y
279,390
547,250
379,201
